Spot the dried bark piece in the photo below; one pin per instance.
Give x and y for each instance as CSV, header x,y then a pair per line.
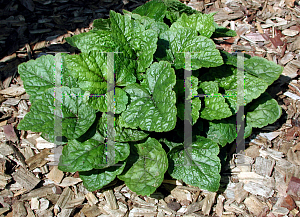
x,y
66,196
294,187
38,160
6,149
91,211
255,206
111,199
18,209
208,202
26,178
68,181
35,203
181,194
13,91
264,166
11,102
55,175
91,198
10,133
288,203
239,193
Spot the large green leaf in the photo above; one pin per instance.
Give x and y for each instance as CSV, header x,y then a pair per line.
x,y
155,9
90,70
76,115
263,69
149,164
223,131
100,41
131,35
91,154
202,23
96,179
196,106
215,106
264,110
154,110
186,40
122,134
197,165
39,75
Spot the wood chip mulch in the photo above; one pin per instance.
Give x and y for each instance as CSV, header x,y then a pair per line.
x,y
267,183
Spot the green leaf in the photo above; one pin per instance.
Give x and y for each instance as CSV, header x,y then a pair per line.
x,y
196,106
170,145
215,106
202,23
131,35
222,32
76,115
186,40
263,69
91,154
154,9
153,111
90,70
253,88
223,131
147,172
175,8
100,102
100,41
39,75
197,165
101,24
122,134
265,110
96,179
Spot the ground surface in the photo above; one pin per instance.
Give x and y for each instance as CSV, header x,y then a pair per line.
x,y
267,185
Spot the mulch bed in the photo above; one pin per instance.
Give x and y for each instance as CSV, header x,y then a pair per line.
x,y
268,184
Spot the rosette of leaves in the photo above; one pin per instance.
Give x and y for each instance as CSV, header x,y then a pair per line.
x,y
132,136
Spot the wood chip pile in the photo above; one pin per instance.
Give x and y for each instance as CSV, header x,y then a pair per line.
x,y
265,181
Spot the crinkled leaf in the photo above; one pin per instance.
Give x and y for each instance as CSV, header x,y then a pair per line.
x,y
175,8
155,9
253,88
215,106
91,154
265,110
263,69
197,165
100,102
96,179
100,41
122,134
223,131
76,115
38,76
131,35
202,23
186,40
147,172
101,24
153,111
231,59
90,70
